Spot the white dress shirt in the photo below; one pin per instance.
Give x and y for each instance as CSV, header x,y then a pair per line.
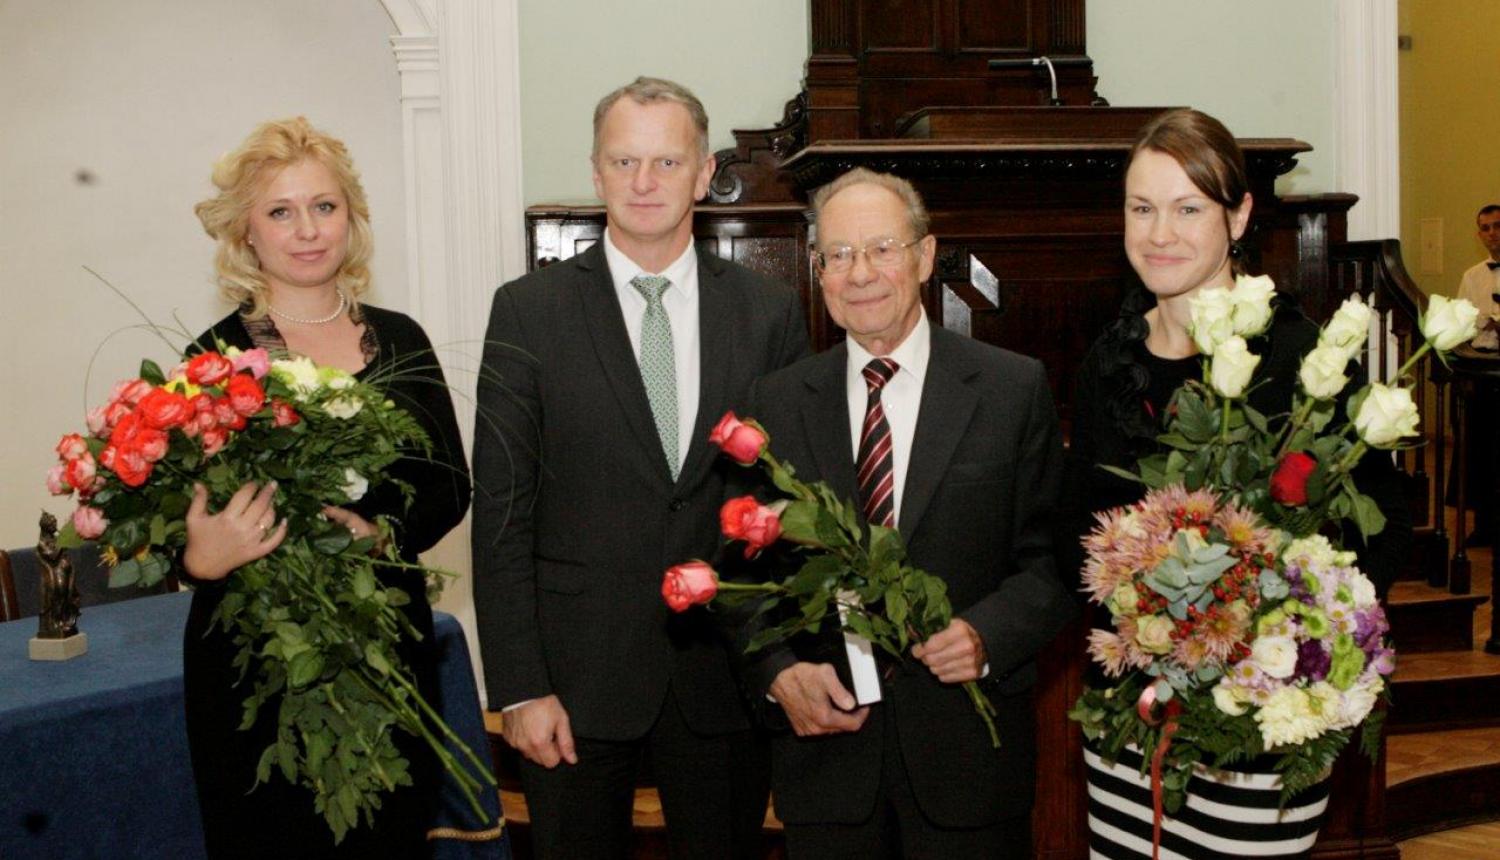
x,y
681,303
901,398
1479,285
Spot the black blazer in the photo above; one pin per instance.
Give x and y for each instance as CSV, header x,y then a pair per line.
x,y
977,511
575,514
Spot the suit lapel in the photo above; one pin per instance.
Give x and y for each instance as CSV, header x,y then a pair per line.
x,y
717,313
606,325
825,419
947,406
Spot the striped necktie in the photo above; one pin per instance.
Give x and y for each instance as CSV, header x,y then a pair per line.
x,y
658,367
877,480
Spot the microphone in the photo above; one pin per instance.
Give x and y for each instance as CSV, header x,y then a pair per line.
x,y
1050,62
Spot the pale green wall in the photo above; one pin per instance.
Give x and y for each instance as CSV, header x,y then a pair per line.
x,y
1450,130
1264,67
575,51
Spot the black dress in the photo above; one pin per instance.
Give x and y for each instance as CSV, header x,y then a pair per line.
x,y
277,819
1122,391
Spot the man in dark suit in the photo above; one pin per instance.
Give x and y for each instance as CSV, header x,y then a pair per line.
x,y
956,443
603,375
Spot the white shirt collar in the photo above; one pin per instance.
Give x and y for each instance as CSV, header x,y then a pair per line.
x,y
622,269
910,355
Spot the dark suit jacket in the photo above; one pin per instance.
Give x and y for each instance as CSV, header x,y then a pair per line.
x,y
576,517
977,511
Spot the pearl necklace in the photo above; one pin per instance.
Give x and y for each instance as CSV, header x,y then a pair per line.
x,y
338,311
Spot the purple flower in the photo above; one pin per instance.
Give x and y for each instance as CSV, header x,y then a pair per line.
x,y
1384,660
1369,626
1312,661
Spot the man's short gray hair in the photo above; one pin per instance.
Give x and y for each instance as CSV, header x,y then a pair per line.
x,y
645,91
916,212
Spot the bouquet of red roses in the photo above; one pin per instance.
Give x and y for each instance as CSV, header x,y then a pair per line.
x,y
314,624
861,578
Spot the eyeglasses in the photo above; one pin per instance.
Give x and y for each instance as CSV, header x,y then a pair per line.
x,y
882,254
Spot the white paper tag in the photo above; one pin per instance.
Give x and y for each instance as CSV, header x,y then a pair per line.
x,y
863,672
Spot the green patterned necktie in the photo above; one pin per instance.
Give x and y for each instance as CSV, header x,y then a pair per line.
x,y
658,367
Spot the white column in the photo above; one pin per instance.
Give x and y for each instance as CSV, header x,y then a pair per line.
x,y
1366,128
465,224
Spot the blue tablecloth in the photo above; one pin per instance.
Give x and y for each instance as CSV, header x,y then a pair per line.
x,y
93,751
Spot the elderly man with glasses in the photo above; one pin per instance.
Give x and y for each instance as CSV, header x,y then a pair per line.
x,y
956,444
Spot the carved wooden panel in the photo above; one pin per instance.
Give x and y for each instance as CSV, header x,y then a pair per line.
x,y
984,25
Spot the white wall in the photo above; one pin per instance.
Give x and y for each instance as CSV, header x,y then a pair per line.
x,y
145,95
575,51
1264,68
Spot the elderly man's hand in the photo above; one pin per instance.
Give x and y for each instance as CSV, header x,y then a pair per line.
x,y
955,655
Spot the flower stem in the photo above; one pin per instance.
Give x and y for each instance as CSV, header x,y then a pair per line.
x,y
1412,359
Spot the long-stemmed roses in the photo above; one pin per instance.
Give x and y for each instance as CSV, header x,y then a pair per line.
x,y
314,623
859,578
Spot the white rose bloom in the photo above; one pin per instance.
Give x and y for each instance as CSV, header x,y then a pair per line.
x,y
1275,655
1123,600
1153,634
1314,548
1226,700
1448,322
1229,371
1363,591
1386,416
1212,318
355,485
298,374
1251,298
1349,328
343,407
335,378
1322,372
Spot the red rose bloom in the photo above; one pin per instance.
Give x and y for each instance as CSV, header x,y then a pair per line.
x,y
71,447
132,466
283,413
227,416
689,584
79,472
748,520
1289,482
209,368
245,394
214,439
164,409
740,441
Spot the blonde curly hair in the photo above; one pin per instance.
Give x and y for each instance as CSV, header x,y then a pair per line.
x,y
240,177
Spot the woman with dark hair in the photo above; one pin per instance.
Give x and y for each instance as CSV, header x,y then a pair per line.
x,y
1187,208
294,241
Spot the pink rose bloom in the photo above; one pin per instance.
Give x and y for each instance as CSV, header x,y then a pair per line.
x,y
209,368
741,442
56,484
214,439
748,520
115,412
689,584
153,446
79,473
89,522
257,361
130,391
71,447
98,423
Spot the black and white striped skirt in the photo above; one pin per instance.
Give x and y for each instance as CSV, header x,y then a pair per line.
x,y
1226,814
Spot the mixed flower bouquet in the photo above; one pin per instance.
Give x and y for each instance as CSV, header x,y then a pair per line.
x,y
1239,629
859,577
313,623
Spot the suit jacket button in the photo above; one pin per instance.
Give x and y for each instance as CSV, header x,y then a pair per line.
x,y
677,505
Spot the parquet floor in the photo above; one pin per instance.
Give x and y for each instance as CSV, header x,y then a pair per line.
x,y
1479,842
